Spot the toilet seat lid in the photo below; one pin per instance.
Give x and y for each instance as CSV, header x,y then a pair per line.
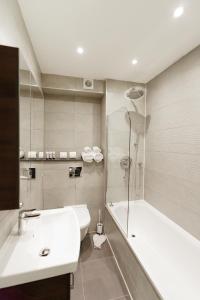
x,y
82,214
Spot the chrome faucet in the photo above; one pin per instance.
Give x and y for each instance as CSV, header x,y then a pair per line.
x,y
26,214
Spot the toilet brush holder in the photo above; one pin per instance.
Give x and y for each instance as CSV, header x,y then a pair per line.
x,y
99,224
99,228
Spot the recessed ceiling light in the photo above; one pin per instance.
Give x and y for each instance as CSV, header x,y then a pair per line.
x,y
178,12
80,50
134,61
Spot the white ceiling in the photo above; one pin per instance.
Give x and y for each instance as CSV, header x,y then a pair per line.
x,y
112,32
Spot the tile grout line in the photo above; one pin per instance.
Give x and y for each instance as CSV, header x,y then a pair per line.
x,y
121,297
82,281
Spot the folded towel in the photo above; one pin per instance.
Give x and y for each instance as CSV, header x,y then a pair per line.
x,y
32,154
87,149
96,149
63,154
98,240
98,157
72,154
87,157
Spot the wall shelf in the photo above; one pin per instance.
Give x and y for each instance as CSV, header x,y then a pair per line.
x,y
51,160
71,92
78,159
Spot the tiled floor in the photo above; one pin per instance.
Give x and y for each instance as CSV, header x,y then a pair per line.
x,y
98,277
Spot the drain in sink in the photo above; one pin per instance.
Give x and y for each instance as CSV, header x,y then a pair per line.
x,y
44,252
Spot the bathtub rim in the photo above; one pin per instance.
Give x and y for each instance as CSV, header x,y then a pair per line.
x,y
125,237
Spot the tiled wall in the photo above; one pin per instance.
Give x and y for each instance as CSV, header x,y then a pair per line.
x,y
118,131
172,173
62,123
60,190
72,122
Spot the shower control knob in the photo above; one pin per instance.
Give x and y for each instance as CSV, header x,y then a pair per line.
x,y
125,162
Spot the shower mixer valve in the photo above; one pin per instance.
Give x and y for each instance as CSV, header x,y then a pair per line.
x,y
75,171
125,163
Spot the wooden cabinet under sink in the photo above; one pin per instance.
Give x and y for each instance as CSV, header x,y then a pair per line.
x,y
55,288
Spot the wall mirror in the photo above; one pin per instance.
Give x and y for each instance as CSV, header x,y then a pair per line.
x,y
31,128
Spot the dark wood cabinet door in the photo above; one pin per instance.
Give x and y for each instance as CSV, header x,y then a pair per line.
x,y
54,288
9,128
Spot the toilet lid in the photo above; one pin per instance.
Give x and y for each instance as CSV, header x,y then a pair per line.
x,y
83,215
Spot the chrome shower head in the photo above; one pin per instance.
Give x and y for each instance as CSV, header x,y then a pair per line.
x,y
134,93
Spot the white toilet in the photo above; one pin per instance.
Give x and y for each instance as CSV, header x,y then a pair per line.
x,y
83,217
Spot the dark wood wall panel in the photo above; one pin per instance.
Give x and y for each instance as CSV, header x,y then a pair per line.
x,y
9,128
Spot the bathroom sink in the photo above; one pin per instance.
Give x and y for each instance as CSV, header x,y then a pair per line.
x,y
48,247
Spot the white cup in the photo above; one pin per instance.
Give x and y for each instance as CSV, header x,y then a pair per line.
x,y
41,154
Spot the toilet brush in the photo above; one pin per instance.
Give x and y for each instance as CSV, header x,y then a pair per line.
x,y
99,224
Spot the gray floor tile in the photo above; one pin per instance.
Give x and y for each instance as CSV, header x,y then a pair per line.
x,y
102,280
77,292
89,253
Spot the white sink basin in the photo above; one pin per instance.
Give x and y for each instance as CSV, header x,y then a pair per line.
x,y
56,229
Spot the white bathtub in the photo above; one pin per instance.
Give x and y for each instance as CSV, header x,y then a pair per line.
x,y
169,255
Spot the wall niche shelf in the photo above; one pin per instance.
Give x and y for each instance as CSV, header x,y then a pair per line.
x,y
78,159
51,160
71,92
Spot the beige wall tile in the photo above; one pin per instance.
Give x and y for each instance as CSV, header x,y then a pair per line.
x,y
88,106
37,104
57,179
61,104
72,122
90,195
59,121
91,176
37,120
172,169
118,121
37,140
117,194
59,140
85,122
59,197
60,166
25,139
60,190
